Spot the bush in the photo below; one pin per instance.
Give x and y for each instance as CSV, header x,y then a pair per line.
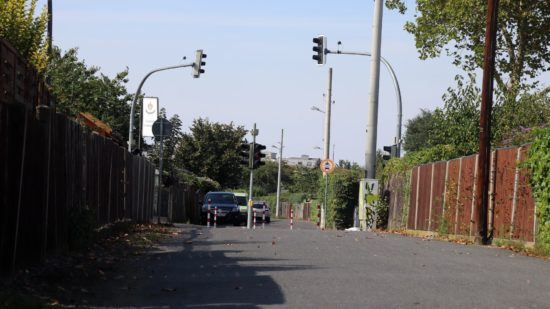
x,y
82,225
343,197
538,163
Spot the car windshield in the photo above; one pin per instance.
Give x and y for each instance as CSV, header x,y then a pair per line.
x,y
241,200
260,206
221,198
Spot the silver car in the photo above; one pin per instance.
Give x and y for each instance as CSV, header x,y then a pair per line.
x,y
259,206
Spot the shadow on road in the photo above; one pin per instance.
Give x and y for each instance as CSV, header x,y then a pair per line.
x,y
191,271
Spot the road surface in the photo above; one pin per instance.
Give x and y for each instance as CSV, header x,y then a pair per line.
x,y
231,267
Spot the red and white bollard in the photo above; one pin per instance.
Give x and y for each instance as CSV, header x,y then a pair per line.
x,y
215,216
319,216
291,218
208,217
254,219
263,217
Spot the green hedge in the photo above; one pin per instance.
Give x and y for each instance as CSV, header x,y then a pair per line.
x,y
538,163
343,197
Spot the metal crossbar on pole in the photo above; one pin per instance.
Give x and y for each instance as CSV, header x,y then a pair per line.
x,y
396,87
136,96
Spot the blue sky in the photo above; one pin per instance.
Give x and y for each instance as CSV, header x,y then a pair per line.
x,y
259,67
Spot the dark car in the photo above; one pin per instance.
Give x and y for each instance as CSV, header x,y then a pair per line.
x,y
226,204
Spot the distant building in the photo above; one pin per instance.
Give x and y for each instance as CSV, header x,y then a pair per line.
x,y
303,160
270,156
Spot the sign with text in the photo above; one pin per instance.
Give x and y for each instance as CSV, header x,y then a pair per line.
x,y
149,115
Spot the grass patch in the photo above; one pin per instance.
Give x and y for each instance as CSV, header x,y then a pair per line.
x,y
24,302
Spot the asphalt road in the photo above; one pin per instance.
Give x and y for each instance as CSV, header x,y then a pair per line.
x,y
231,267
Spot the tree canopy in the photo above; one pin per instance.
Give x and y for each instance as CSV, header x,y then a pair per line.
x,y
457,27
24,31
212,150
80,88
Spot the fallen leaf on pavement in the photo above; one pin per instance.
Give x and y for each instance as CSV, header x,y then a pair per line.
x,y
168,289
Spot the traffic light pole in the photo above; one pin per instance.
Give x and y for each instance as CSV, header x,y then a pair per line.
x,y
397,92
250,200
136,96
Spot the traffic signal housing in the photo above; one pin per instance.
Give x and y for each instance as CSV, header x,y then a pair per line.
x,y
245,154
390,152
199,63
258,155
319,49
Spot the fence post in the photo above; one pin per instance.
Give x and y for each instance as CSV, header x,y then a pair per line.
x,y
515,195
431,198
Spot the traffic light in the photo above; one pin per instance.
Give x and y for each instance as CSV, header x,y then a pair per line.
x,y
390,152
319,49
258,155
245,154
199,63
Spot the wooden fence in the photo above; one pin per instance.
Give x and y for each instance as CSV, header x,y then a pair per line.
x,y
51,166
440,197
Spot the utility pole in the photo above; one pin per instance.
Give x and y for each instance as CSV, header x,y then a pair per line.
x,y
482,182
279,174
254,132
50,27
372,121
326,149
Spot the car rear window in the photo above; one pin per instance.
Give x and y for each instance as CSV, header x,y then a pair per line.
x,y
241,200
260,206
221,198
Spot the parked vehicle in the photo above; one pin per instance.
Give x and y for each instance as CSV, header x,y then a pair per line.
x,y
242,201
259,206
226,204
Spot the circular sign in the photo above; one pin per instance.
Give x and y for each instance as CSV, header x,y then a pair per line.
x,y
327,166
162,128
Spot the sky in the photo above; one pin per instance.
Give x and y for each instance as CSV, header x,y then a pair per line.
x,y
259,67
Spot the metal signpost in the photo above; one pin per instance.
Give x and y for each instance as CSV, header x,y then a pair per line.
x,y
254,133
327,167
161,128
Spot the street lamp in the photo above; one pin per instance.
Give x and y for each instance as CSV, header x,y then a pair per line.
x,y
315,108
197,65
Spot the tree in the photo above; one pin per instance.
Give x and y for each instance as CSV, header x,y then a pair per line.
x,y
212,150
305,180
170,143
79,88
24,31
417,131
265,178
458,28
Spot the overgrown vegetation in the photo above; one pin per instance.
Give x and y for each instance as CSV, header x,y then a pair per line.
x,y
538,163
25,31
343,197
